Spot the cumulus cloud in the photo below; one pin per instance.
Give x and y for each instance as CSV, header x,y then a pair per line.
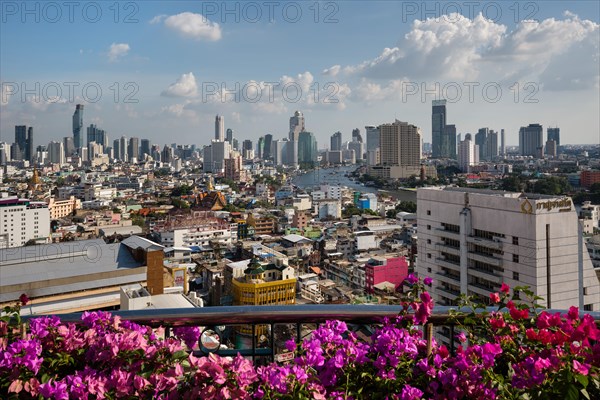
x,y
117,50
185,86
458,48
191,25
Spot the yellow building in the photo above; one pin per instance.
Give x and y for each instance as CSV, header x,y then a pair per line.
x,y
264,285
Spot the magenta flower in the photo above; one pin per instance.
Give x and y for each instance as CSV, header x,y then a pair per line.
x,y
428,281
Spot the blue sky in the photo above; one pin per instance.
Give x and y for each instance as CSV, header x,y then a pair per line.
x,y
376,60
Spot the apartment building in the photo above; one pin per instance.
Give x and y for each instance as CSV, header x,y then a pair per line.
x,y
471,241
22,220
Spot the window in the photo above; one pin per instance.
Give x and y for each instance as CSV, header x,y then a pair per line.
x,y
515,276
428,212
428,241
585,291
515,258
515,240
428,270
428,255
588,307
428,227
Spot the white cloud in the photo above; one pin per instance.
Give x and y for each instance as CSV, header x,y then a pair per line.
x,y
236,116
158,19
333,71
117,50
191,25
185,86
456,48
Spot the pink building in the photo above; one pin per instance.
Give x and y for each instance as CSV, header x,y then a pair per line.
x,y
381,269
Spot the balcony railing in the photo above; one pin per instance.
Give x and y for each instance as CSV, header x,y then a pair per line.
x,y
257,317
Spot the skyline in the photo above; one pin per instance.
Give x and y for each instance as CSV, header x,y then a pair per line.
x,y
173,62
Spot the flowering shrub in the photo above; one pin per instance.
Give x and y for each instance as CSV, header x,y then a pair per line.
x,y
514,352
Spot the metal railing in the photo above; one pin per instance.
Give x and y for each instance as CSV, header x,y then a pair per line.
x,y
257,317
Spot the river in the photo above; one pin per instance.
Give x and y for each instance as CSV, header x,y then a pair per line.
x,y
337,176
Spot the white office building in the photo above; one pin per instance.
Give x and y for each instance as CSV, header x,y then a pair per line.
x,y
468,154
22,220
471,241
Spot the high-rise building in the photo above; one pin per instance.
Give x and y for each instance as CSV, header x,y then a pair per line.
x,y
554,134
307,148
277,150
116,149
167,155
145,149
468,154
214,156
475,240
267,154
68,146
247,145
450,141
400,144
56,153
123,149
24,142
502,143
220,128
133,150
491,151
481,140
551,148
233,166
260,147
531,140
229,136
372,137
296,125
356,136
336,141
358,148
5,154
97,135
438,125
78,126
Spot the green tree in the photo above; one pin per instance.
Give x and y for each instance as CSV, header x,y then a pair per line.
x,y
552,185
513,183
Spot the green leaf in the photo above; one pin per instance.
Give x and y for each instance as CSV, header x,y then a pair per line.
x,y
572,393
582,379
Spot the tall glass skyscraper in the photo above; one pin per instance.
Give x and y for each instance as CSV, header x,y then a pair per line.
x,y
78,126
307,148
438,126
220,128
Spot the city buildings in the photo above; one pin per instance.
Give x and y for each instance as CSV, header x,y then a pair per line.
x,y
380,269
307,149
336,142
372,137
78,126
471,241
554,134
22,220
24,143
443,136
220,128
531,140
296,125
468,154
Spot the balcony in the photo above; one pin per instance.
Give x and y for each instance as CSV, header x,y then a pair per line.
x,y
485,274
448,293
448,278
447,264
446,233
447,249
485,258
492,244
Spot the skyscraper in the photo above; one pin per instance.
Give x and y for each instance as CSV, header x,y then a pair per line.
x,y
467,154
56,153
481,138
133,150
554,134
400,144
356,136
307,148
123,147
260,147
531,140
78,126
247,145
24,141
267,153
372,137
438,124
220,128
229,136
296,125
491,151
145,149
336,141
450,141
94,134
502,143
